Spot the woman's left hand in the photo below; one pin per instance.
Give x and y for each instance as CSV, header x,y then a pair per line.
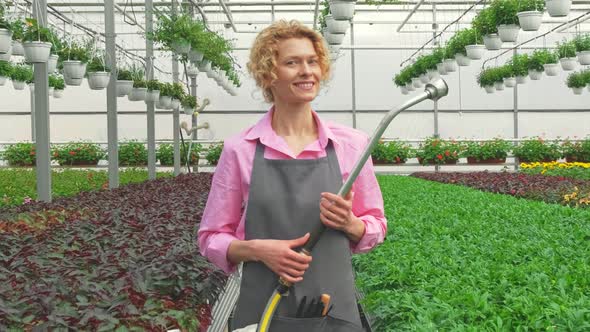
x,y
336,213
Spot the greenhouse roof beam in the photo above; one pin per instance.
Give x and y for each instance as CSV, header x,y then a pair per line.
x,y
280,3
122,11
228,14
410,14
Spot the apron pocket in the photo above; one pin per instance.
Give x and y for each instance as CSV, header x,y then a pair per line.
x,y
290,324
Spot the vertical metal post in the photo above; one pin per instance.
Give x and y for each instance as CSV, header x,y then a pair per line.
x,y
194,120
515,100
112,126
175,111
33,117
435,43
42,136
353,69
151,116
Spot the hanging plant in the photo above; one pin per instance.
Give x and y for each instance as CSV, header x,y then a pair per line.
x,y
124,75
530,13
22,73
18,29
97,64
505,12
138,84
485,78
519,64
485,22
189,102
566,49
75,52
541,57
5,69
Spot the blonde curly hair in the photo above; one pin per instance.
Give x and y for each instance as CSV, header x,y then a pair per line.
x,y
263,54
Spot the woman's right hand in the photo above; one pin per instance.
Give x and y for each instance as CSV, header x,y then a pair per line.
x,y
279,256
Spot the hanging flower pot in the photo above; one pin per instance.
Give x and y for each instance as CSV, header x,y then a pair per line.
x,y
195,56
450,65
424,78
440,67
192,71
530,20
52,63
73,81
558,8
204,66
475,52
98,80
31,87
462,60
404,90
416,82
124,87
74,69
50,91
433,74
6,56
152,95
535,75
334,48
492,42
584,57
508,32
510,82
489,88
334,38
499,86
17,48
336,26
159,105
568,64
19,85
165,101
578,91
410,87
5,40
137,94
37,51
181,47
2,80
342,9
551,69
520,79
58,93
188,110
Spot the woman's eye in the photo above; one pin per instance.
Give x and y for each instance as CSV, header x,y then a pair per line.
x,y
289,63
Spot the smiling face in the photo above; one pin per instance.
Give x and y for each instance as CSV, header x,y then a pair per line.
x,y
298,72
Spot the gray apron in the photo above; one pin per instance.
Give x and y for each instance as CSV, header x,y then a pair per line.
x,y
284,204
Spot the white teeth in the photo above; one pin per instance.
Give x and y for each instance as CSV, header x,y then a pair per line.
x,y
305,85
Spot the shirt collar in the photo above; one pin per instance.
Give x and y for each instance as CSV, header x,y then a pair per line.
x,y
264,131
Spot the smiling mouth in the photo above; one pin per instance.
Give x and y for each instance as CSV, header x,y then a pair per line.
x,y
305,86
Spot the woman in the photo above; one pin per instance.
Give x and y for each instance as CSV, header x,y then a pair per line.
x,y
285,171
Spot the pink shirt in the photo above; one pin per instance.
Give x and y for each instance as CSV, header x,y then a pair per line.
x,y
224,219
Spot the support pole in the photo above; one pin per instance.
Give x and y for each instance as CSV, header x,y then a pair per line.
x,y
194,120
33,117
353,69
112,126
435,43
175,111
151,116
515,100
43,158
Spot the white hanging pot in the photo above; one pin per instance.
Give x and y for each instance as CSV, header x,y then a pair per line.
x,y
433,74
462,60
98,80
404,90
17,48
124,87
2,80
165,101
5,40
58,93
334,48
19,85
450,65
37,51
5,56
499,86
558,8
510,82
192,71
159,105
336,26
577,91
440,67
204,66
195,56
492,42
489,88
342,9
52,63
508,32
416,82
475,52
334,38
188,110
175,103
137,94
529,20
551,69
152,95
535,75
73,81
74,69
584,57
520,79
31,87
424,78
181,47
410,87
588,86
50,91
568,64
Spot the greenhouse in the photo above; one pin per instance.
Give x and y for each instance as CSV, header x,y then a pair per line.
x,y
294,165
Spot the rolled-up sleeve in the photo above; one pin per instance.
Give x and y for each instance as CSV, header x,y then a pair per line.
x,y
222,213
367,205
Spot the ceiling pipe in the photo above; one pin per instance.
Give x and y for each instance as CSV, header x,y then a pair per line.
x,y
410,15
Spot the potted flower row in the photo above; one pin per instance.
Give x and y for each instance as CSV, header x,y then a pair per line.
x,y
56,85
27,38
78,154
335,20
577,81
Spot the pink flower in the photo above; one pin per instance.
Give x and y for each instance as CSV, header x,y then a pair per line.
x,y
27,200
